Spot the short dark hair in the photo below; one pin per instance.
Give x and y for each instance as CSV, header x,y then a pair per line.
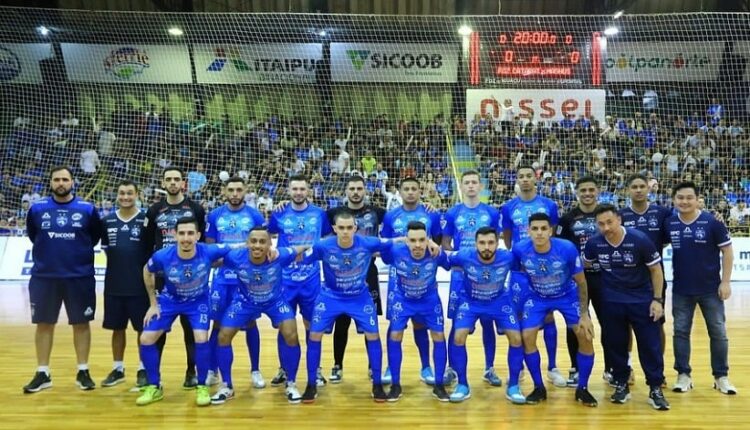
x,y
603,208
408,179
584,179
343,214
470,173
416,225
540,216
128,183
355,178
683,185
636,176
59,168
187,220
258,228
235,178
301,178
486,230
173,169
525,166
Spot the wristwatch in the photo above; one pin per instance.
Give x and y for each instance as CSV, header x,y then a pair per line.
x,y
659,300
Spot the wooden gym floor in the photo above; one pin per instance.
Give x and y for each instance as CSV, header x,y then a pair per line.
x,y
348,405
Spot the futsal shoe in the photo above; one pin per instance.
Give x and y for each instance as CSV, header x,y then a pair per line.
x,y
683,383
460,393
202,395
84,381
115,377
39,382
151,394
515,396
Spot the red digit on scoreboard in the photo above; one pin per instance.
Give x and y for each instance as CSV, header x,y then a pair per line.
x,y
508,57
575,57
503,39
568,39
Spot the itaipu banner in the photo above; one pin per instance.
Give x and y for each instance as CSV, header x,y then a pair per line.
x,y
394,62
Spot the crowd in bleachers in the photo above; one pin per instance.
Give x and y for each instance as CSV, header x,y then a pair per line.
x,y
703,147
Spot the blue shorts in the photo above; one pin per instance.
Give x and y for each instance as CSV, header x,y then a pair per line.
x,y
46,296
455,293
241,312
302,296
536,308
500,311
221,296
360,308
118,310
427,311
195,310
518,285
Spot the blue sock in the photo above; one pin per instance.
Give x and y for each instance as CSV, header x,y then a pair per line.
x,y
280,348
394,360
202,358
451,337
489,341
439,353
550,342
151,361
290,360
585,365
313,361
375,356
213,340
422,339
515,364
225,357
252,338
534,364
459,359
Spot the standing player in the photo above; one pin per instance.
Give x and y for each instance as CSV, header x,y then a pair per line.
x,y
231,223
161,221
459,232
299,223
125,297
578,226
395,224
259,292
700,278
632,297
64,230
485,296
515,215
415,297
368,219
186,268
556,283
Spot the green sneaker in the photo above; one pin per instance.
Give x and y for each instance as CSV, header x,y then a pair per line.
x,y
151,394
202,395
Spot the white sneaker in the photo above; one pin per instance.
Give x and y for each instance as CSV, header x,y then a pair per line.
x,y
557,379
724,386
222,396
292,393
212,378
258,381
683,383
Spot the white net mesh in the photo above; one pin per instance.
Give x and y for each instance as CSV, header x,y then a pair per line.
x,y
117,95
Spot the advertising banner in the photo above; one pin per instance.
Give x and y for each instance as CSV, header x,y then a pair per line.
x,y
19,62
663,61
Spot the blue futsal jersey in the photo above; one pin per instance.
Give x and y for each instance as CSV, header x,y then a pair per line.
x,y
651,222
515,215
345,269
462,223
260,283
483,282
624,267
414,279
225,225
300,228
551,273
186,279
396,220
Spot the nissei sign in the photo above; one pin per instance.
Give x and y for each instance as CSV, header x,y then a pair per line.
x,y
19,62
394,62
663,61
284,63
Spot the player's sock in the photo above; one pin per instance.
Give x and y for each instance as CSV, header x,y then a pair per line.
x,y
151,358
225,357
394,360
534,364
140,365
459,362
290,360
451,337
202,357
489,341
118,365
515,364
422,339
550,342
572,340
43,369
585,365
375,357
213,341
313,361
83,366
439,356
252,339
160,343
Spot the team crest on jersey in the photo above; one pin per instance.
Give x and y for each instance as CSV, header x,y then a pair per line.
x,y
257,276
61,220
543,266
653,222
628,257
301,224
347,260
486,275
188,273
415,271
700,233
471,222
135,232
76,217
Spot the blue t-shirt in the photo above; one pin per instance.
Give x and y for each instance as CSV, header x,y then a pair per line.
x,y
651,222
260,283
482,281
414,279
696,262
516,212
624,267
396,220
300,228
345,270
551,273
462,223
186,280
225,225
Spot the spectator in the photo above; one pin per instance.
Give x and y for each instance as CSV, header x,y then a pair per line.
x,y
196,181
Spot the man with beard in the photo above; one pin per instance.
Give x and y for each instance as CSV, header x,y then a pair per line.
x,y
161,219
64,230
